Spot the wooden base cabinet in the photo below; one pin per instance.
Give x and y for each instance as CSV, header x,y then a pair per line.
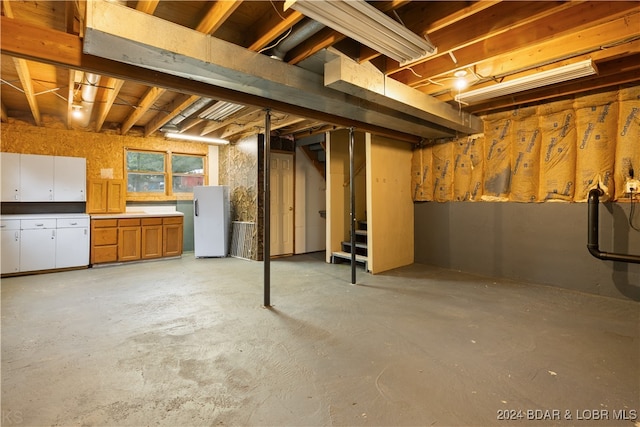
x,y
151,238
131,239
104,240
172,236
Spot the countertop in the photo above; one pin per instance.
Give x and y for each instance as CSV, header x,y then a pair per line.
x,y
135,215
44,216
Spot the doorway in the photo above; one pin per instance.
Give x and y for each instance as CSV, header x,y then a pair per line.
x,y
281,204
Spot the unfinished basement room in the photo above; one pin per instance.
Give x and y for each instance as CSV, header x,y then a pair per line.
x,y
320,213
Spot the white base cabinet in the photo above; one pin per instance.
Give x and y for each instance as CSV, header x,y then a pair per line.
x,y
72,242
10,240
44,242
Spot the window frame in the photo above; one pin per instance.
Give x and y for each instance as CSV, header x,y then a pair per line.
x,y
168,193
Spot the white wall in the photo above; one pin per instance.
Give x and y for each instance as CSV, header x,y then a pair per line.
x,y
310,199
213,165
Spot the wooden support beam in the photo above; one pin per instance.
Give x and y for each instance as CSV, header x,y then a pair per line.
x,y
216,15
143,106
110,94
175,107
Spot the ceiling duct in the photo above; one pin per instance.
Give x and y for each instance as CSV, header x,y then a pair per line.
x,y
220,111
299,34
88,96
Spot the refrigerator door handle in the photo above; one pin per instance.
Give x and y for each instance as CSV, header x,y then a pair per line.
x,y
195,207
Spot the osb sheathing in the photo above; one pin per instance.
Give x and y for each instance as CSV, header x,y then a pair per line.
x,y
553,151
238,169
103,151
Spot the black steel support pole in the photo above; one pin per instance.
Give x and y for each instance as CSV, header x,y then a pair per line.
x,y
266,241
352,206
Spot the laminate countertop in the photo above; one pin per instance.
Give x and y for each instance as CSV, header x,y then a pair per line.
x,y
135,215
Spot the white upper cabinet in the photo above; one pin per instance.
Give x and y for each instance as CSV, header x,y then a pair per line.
x,y
70,177
36,178
10,177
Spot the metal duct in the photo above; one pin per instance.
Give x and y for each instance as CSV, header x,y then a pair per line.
x,y
299,34
593,228
89,92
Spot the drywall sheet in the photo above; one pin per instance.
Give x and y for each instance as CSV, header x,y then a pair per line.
x,y
421,179
627,156
443,172
497,165
557,151
525,156
597,126
467,182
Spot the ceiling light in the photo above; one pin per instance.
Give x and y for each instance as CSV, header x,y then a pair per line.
x,y
196,138
461,81
533,81
76,111
364,23
220,111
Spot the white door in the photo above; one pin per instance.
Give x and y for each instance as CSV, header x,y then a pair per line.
x,y
36,178
10,236
281,204
10,177
70,177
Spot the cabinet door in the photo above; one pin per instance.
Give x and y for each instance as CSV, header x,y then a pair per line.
x,y
72,247
69,180
36,178
152,241
97,196
10,177
116,196
10,251
172,244
128,243
37,249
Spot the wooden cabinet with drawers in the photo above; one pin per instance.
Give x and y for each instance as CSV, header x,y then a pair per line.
x,y
130,239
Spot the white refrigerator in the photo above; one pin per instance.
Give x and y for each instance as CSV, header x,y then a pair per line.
x,y
211,221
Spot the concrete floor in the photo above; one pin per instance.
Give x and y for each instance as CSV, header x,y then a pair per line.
x,y
186,342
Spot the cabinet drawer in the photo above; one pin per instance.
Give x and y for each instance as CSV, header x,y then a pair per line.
x,y
100,223
10,224
104,236
34,224
129,222
151,221
104,254
72,222
172,220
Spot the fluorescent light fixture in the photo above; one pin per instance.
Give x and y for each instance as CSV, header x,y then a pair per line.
x,y
196,138
220,111
533,81
366,24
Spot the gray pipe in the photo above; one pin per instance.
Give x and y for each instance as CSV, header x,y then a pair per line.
x,y
593,225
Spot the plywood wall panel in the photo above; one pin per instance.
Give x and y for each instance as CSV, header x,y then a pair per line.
x,y
103,151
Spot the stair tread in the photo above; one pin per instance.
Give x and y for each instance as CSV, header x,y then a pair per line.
x,y
347,255
362,245
361,232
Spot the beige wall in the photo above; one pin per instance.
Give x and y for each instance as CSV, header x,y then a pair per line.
x,y
103,151
390,205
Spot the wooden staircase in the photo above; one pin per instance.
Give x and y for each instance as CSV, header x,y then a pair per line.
x,y
361,248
